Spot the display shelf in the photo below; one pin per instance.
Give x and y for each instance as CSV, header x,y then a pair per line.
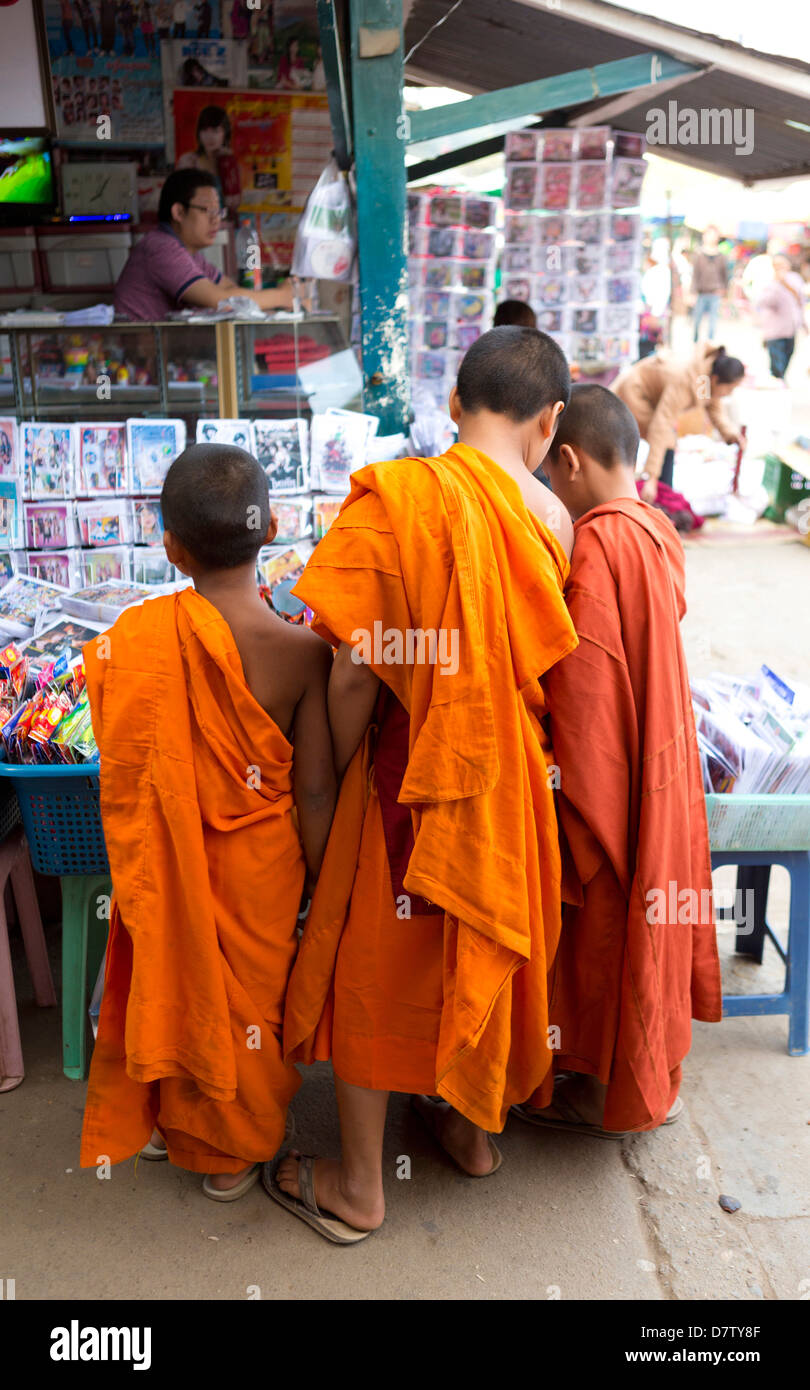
x,y
276,366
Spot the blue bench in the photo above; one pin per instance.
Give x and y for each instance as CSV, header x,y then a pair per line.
x,y
755,833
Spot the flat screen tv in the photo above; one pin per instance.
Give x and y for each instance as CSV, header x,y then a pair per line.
x,y
27,185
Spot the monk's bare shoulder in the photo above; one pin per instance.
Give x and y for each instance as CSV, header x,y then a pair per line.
x,y
300,645
549,509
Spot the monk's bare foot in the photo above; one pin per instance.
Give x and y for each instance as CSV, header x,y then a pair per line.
x,y
466,1144
223,1182
157,1141
359,1204
582,1095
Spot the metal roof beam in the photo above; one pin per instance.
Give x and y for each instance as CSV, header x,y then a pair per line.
x,y
607,110
332,55
429,168
692,47
548,94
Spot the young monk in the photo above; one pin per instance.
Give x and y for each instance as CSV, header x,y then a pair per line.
x,y
210,716
630,973
423,964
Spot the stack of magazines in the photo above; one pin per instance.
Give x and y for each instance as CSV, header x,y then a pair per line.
x,y
753,734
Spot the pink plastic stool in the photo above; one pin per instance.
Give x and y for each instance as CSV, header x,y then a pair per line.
x,y
15,863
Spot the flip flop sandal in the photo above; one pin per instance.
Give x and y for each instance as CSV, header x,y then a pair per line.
x,y
673,1112
569,1118
306,1208
566,1118
152,1152
231,1194
430,1121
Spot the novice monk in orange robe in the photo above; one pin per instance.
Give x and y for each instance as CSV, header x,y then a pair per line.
x,y
423,965
630,973
210,717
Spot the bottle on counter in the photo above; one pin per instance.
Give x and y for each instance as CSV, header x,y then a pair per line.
x,y
249,255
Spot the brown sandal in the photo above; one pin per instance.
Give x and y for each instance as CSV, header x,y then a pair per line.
x,y
306,1208
429,1118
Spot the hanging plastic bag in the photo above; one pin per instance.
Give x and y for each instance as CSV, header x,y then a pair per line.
x,y
324,241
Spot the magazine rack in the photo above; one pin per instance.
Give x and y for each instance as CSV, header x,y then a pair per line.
x,y
755,833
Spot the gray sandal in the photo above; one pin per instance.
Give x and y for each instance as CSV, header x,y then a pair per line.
x,y
568,1117
232,1194
153,1153
305,1206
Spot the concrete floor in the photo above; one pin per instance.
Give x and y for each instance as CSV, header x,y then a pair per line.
x,y
566,1217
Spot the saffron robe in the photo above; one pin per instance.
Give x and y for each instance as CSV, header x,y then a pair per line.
x,y
207,870
629,975
453,1003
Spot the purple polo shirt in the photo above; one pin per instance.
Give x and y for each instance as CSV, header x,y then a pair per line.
x,y
159,269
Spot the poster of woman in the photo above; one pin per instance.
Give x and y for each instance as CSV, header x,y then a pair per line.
x,y
251,129
198,63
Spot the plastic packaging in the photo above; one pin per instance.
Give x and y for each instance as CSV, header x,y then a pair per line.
x,y
325,242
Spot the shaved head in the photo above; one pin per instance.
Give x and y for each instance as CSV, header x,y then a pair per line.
x,y
216,501
600,425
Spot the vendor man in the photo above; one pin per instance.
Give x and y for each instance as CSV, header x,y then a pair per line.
x,y
658,390
167,270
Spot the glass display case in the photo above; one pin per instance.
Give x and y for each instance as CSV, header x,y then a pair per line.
x,y
194,367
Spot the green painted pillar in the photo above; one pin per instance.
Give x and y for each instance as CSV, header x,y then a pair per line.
x,y
380,134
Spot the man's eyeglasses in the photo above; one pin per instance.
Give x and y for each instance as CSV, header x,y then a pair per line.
x,y
216,214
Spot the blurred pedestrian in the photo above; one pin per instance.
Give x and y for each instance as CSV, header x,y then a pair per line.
x,y
656,292
709,281
780,308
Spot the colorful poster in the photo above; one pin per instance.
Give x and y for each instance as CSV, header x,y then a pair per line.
x,y
198,63
272,146
126,91
132,28
283,44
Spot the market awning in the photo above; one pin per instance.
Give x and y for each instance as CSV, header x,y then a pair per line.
x,y
486,47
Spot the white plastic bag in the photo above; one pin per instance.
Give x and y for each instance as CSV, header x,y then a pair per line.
x,y
325,242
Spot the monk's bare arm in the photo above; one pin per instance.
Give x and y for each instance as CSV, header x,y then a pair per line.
x,y
352,693
314,782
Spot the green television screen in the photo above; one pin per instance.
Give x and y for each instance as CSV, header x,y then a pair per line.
x,y
26,173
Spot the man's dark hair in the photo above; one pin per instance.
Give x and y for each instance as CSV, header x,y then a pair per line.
x,y
515,311
216,501
600,425
180,187
727,369
515,372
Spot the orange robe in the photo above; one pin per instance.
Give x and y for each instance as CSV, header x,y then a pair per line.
x,y
625,985
401,996
207,869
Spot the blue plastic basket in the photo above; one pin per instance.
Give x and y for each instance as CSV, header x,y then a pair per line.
x,y
61,816
9,811
758,822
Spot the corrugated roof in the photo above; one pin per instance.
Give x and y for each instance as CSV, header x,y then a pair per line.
x,y
489,44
